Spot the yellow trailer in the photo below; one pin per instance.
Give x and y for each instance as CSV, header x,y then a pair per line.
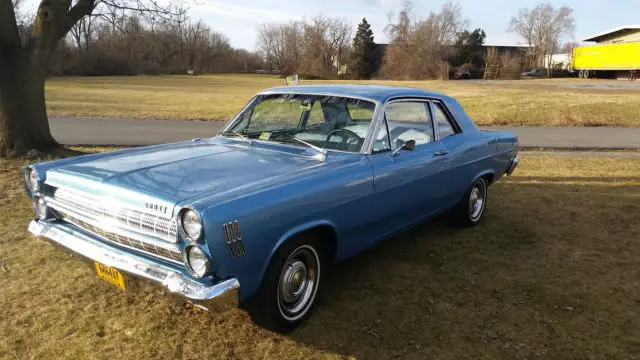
x,y
607,59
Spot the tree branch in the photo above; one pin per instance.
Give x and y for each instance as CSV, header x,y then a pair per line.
x,y
9,35
167,13
77,12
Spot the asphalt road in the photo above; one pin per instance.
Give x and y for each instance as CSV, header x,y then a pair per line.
x,y
135,132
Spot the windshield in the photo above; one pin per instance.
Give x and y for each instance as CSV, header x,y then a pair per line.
x,y
327,122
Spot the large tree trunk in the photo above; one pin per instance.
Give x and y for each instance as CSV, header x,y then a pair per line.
x,y
24,125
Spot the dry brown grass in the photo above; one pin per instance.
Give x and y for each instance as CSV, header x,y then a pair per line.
x,y
218,97
551,273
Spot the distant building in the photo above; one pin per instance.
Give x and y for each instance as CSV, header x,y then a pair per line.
x,y
621,34
514,49
558,61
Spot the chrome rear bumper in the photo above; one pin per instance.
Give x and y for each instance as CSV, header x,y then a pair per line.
x,y
218,297
512,166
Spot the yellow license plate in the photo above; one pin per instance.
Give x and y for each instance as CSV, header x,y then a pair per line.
x,y
110,275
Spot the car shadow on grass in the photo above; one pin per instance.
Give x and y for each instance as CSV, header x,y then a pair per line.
x,y
534,279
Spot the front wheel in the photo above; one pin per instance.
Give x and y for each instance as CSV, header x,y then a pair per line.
x,y
470,209
288,292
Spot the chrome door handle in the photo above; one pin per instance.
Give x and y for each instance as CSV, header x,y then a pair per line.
x,y
440,153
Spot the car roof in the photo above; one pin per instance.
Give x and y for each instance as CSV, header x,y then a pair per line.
x,y
374,92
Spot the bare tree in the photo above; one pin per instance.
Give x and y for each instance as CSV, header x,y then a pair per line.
x,y
568,47
82,33
281,45
24,125
418,46
543,28
316,46
325,41
450,23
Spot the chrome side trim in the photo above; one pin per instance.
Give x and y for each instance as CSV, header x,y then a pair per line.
x,y
217,297
233,238
238,237
227,238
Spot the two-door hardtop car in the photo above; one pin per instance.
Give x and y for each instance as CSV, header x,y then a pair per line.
x,y
301,177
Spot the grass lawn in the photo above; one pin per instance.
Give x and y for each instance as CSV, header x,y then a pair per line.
x,y
218,97
551,273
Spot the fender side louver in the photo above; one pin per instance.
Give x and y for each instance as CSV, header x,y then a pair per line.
x,y
233,238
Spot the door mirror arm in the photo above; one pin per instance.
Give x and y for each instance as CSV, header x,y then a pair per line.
x,y
407,145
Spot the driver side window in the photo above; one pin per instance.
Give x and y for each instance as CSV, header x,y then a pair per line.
x,y
316,116
409,120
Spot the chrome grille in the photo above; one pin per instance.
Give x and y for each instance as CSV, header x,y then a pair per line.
x,y
170,254
135,220
233,238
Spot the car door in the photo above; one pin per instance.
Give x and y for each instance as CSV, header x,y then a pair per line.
x,y
460,153
408,183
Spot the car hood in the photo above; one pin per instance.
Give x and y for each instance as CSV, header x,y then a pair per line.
x,y
167,175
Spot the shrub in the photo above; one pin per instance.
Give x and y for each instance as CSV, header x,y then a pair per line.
x,y
304,76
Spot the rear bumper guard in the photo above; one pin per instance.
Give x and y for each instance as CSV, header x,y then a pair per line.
x,y
512,166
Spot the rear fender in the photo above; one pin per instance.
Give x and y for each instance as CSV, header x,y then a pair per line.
x,y
486,173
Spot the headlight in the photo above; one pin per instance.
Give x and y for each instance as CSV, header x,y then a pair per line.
x,y
40,208
191,224
32,180
196,260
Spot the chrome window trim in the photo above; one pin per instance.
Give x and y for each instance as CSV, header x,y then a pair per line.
x,y
436,129
368,140
236,117
448,114
404,99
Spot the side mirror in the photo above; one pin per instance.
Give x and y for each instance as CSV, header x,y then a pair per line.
x,y
410,145
407,145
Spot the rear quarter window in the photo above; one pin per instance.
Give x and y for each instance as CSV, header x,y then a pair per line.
x,y
446,126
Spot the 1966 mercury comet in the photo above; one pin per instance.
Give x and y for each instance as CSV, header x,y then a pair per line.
x,y
301,177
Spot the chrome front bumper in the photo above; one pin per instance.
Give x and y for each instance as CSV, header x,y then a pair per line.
x,y
512,166
135,269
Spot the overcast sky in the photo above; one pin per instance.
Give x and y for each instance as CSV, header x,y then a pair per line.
x,y
238,19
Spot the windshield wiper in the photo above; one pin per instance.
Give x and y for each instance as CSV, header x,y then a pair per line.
x,y
241,136
310,145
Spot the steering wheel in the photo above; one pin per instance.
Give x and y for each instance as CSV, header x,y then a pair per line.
x,y
345,140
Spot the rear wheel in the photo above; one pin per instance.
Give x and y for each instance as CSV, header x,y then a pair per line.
x,y
470,209
290,286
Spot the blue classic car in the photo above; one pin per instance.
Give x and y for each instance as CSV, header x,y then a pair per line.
x,y
300,178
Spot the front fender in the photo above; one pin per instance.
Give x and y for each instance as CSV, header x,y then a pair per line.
x,y
292,233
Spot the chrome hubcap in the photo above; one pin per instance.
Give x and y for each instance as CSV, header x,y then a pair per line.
x,y
476,201
294,281
298,282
